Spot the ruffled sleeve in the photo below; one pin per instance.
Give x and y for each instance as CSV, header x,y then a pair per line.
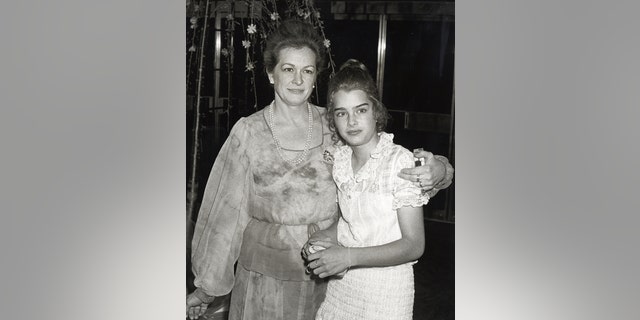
x,y
405,193
222,217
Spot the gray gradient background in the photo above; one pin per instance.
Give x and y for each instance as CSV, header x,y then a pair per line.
x,y
92,131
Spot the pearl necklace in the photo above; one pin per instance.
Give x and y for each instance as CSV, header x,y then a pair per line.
x,y
297,160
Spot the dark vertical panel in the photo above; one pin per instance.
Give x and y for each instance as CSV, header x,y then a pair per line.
x,y
419,66
350,39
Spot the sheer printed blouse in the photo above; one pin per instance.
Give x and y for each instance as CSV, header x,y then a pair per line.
x,y
256,207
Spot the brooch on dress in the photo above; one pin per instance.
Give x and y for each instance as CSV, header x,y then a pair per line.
x,y
327,156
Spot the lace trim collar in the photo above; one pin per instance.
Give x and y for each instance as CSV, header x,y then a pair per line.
x,y
342,166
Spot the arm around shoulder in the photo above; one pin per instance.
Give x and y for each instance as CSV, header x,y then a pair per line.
x,y
448,173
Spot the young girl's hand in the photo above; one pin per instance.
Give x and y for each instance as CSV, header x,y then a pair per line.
x,y
333,260
318,236
310,248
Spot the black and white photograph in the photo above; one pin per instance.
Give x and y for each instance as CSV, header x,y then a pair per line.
x,y
320,159
316,159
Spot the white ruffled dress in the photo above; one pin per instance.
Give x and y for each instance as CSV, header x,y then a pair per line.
x,y
369,201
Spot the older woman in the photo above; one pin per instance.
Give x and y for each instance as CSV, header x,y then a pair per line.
x,y
270,181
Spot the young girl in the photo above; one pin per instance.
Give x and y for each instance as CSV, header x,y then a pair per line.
x,y
380,233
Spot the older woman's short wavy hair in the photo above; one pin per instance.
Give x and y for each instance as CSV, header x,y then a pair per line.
x,y
294,34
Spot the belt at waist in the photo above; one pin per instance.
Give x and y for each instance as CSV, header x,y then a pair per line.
x,y
275,249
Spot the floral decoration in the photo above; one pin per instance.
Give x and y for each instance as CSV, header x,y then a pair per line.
x,y
251,29
327,156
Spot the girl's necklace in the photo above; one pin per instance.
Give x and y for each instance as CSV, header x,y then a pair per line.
x,y
301,157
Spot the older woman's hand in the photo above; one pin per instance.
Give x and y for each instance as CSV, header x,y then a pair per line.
x,y
428,175
195,306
